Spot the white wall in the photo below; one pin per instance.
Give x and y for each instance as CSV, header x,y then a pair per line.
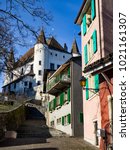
x,y
63,111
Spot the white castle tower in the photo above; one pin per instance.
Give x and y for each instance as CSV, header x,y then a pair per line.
x,y
41,58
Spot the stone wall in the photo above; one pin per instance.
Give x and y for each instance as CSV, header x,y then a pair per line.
x,y
11,120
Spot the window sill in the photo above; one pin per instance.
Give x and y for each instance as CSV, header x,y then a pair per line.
x,y
66,102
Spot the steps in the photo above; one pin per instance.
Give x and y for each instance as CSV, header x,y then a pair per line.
x,y
37,129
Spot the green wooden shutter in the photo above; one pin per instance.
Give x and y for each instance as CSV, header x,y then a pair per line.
x,y
81,117
61,99
87,91
84,25
68,94
54,103
69,119
85,54
96,80
62,120
93,11
69,72
94,36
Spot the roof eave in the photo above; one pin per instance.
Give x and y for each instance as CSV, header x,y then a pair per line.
x,y
78,20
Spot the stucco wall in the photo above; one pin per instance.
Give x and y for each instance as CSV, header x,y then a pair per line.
x,y
63,111
91,109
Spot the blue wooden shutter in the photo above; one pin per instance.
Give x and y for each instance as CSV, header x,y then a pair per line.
x,y
85,54
84,25
96,80
94,36
87,91
93,11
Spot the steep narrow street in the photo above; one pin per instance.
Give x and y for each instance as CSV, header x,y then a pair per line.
x,y
34,134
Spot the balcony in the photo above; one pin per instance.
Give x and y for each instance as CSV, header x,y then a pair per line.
x,y
57,84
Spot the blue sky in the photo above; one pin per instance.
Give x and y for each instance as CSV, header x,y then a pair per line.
x,y
62,27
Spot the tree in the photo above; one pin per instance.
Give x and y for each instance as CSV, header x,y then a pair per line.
x,y
17,20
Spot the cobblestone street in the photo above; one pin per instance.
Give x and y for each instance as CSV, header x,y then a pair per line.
x,y
34,135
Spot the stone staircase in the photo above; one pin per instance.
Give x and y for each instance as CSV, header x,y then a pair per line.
x,y
37,129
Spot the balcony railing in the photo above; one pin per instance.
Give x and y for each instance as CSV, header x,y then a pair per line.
x,y
59,79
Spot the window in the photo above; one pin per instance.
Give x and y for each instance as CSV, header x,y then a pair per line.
x,y
92,83
58,66
31,67
30,85
59,121
50,53
39,72
58,101
66,120
52,123
61,99
63,56
39,62
25,83
88,17
90,48
55,54
38,82
51,66
68,94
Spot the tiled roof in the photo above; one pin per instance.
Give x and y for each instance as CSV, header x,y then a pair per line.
x,y
27,57
52,43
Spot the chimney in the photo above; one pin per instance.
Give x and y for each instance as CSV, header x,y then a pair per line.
x,y
65,47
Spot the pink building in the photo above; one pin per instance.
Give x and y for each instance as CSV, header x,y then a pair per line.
x,y
96,20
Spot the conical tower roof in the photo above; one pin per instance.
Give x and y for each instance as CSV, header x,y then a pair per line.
x,y
74,49
41,38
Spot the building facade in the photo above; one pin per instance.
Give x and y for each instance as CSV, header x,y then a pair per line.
x,y
27,77
65,107
96,20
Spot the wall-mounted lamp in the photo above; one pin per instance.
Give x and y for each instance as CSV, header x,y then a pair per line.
x,y
83,85
83,81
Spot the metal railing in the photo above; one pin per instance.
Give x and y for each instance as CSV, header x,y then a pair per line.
x,y
55,80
